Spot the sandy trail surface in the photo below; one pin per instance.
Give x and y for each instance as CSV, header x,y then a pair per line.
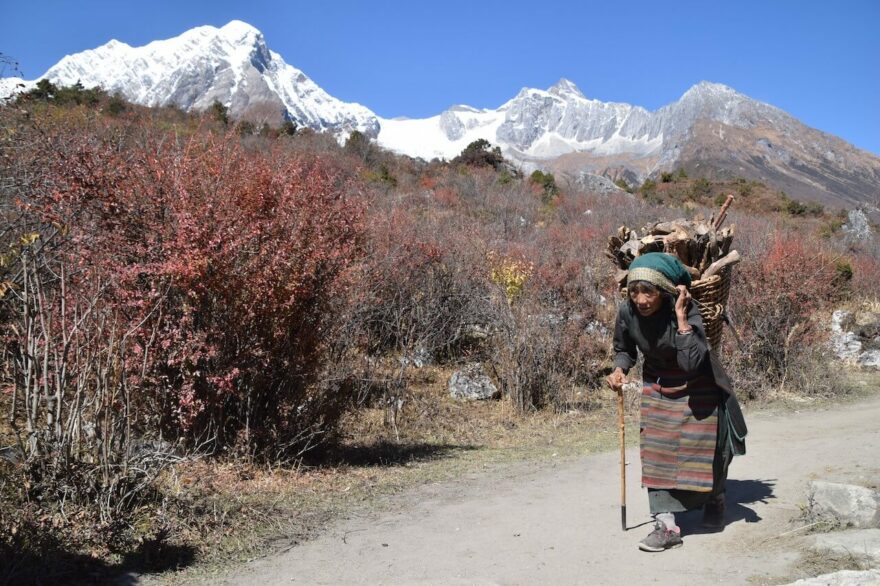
x,y
558,522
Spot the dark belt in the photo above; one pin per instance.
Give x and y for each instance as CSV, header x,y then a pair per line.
x,y
673,392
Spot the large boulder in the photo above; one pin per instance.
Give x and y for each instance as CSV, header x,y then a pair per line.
x,y
846,344
855,337
857,227
843,578
471,384
846,505
858,543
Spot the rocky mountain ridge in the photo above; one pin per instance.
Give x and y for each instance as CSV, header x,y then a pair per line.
x,y
711,130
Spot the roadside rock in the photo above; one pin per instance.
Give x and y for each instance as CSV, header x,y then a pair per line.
x,y
870,359
418,359
471,384
846,344
843,578
859,543
845,504
856,337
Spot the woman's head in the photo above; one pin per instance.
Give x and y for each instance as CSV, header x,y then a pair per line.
x,y
645,296
651,276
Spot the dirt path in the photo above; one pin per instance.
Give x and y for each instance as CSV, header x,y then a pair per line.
x,y
559,523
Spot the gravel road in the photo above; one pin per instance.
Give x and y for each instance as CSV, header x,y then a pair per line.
x,y
558,522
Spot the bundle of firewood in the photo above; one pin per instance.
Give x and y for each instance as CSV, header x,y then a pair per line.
x,y
702,246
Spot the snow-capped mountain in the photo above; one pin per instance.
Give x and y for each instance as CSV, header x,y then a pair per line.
x,y
712,129
231,64
536,124
546,124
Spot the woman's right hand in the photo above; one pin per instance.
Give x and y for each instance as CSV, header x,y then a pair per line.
x,y
616,380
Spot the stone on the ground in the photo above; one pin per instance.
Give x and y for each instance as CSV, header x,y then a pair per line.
x,y
843,578
869,359
846,344
855,337
845,504
418,359
471,384
859,543
857,226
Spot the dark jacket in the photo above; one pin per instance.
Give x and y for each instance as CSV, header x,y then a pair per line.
x,y
664,348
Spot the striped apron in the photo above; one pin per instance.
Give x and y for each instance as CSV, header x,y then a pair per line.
x,y
679,425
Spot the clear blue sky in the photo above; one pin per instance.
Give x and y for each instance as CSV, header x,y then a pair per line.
x,y
818,60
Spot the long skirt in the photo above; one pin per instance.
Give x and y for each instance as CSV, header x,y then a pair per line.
x,y
683,439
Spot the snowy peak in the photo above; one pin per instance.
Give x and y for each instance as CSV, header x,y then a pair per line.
x,y
720,103
231,64
565,89
708,89
113,45
237,30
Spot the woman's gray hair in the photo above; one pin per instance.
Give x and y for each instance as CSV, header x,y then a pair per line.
x,y
646,286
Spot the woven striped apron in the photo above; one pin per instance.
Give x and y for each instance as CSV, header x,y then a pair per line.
x,y
679,425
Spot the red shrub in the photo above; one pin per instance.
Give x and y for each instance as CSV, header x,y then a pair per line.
x,y
776,296
222,266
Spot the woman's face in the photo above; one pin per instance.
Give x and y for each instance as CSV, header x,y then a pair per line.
x,y
647,301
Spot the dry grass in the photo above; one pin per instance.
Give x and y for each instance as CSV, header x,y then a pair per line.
x,y
246,512
813,563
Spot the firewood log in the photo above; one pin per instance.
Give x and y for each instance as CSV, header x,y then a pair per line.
x,y
726,241
723,213
731,259
630,248
695,274
678,247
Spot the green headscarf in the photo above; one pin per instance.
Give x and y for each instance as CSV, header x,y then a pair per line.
x,y
661,269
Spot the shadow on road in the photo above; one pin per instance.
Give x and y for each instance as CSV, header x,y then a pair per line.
x,y
385,453
45,560
746,492
740,493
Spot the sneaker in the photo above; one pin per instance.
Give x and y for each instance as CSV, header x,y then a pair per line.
x,y
713,514
660,539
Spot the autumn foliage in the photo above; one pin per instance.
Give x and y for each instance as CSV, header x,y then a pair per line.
x,y
213,269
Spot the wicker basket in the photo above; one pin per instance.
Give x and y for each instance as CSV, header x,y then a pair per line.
x,y
711,295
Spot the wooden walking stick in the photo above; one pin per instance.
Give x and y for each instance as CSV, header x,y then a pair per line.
x,y
622,458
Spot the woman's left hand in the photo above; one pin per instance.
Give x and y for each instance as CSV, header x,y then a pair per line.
x,y
681,304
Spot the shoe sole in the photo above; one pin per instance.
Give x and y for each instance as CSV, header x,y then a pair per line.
x,y
650,549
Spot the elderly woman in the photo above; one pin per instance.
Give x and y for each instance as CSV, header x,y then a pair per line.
x,y
690,421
